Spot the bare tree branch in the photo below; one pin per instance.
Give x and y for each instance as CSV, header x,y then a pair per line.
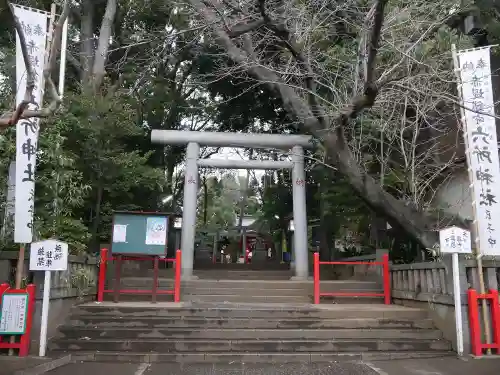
x,y
275,73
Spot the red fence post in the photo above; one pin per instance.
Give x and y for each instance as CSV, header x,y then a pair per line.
x,y
102,275
474,326
177,281
25,340
316,278
387,279
495,318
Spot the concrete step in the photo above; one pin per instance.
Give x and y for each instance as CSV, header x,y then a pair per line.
x,y
255,357
89,321
203,291
129,333
255,298
167,345
138,298
249,311
327,286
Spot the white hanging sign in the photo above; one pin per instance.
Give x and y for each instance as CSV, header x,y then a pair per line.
x,y
455,240
49,255
34,24
481,145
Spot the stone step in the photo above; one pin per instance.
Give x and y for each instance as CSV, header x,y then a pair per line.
x,y
249,311
217,346
103,322
256,357
203,291
326,286
256,298
128,333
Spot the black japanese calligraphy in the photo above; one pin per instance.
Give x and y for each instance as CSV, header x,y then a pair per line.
x,y
477,93
476,81
487,199
32,47
490,228
479,133
40,261
477,106
484,176
483,154
478,118
492,241
35,63
26,28
38,30
467,66
28,149
30,126
481,64
41,251
487,214
48,262
28,173
49,254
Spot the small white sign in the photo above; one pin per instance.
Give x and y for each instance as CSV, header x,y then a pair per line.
x,y
14,312
49,255
119,233
455,240
156,231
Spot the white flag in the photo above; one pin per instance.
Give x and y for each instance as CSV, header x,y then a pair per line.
x,y
34,24
481,138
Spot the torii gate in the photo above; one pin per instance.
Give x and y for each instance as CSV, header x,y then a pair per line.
x,y
195,139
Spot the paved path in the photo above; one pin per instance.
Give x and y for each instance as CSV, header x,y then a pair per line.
x,y
440,366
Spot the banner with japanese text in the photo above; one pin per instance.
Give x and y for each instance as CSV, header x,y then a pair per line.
x,y
481,145
34,25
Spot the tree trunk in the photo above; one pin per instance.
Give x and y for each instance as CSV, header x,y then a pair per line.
x,y
416,224
105,32
87,40
97,219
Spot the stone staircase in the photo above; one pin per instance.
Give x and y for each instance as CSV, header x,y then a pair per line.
x,y
226,332
247,286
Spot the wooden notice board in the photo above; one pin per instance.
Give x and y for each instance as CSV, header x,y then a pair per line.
x,y
143,233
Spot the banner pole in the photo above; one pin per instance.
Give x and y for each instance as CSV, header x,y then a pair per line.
x,y
456,68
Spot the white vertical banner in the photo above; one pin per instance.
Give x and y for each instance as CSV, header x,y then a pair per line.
x,y
34,24
481,145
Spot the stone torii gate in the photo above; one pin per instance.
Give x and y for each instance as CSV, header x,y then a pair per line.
x,y
195,139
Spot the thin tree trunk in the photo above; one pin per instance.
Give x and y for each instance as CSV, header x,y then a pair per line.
x,y
97,218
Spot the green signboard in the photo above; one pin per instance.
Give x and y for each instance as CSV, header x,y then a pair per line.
x,y
139,233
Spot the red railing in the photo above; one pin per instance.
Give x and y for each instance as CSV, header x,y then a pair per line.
x,y
385,274
477,344
23,344
154,291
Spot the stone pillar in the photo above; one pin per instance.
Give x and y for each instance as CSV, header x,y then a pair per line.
x,y
299,214
189,209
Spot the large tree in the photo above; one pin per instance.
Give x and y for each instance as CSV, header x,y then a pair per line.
x,y
328,63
